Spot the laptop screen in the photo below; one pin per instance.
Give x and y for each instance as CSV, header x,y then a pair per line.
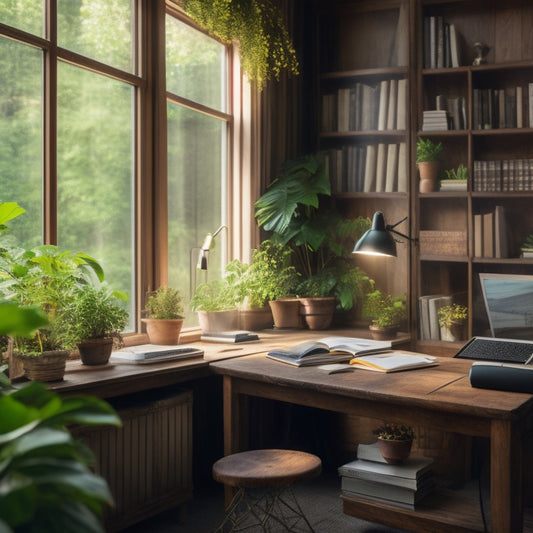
x,y
508,301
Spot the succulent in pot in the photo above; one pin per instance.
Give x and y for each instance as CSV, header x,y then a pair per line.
x,y
164,315
395,442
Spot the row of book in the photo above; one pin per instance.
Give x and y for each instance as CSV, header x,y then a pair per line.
x,y
503,175
366,107
450,114
369,168
490,234
511,107
428,309
441,44
370,476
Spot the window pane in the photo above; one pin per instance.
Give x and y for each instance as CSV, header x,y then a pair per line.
x,y
196,65
99,29
25,15
197,182
95,171
21,122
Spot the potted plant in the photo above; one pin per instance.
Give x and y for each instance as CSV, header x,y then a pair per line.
x,y
395,442
266,287
163,315
455,179
386,312
46,278
452,322
216,304
428,155
298,211
93,321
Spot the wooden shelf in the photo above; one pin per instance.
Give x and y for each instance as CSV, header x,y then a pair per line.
x,y
441,512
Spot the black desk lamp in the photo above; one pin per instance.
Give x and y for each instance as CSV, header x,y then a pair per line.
x,y
378,239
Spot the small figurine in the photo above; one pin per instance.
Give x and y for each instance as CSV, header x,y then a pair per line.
x,y
481,51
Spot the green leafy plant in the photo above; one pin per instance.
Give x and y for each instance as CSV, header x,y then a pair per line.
x,y
384,310
298,211
216,295
265,46
43,278
391,431
427,150
46,483
269,276
460,173
528,243
95,313
164,302
452,314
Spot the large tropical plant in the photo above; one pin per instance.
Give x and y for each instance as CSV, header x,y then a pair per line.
x,y
265,47
298,210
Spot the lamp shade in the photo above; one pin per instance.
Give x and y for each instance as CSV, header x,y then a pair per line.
x,y
377,240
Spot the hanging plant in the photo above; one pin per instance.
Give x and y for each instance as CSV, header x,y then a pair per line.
x,y
264,44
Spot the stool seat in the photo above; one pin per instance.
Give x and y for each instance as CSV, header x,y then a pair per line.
x,y
257,469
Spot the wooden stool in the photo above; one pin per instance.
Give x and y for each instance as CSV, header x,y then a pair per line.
x,y
264,499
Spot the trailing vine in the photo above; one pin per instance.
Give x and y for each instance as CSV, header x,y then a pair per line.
x,y
265,46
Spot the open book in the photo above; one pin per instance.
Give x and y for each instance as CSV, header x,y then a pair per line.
x,y
328,350
393,361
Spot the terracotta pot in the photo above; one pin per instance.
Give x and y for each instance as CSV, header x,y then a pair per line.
x,y
216,321
255,319
165,331
429,175
383,334
49,366
395,451
95,351
318,312
286,313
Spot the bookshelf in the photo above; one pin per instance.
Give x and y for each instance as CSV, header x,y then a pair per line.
x,y
365,118
373,42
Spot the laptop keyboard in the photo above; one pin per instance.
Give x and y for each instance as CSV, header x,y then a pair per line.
x,y
504,351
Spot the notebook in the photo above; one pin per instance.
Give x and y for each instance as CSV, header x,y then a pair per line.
x,y
151,353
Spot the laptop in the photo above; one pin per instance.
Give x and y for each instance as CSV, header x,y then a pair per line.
x,y
151,353
508,300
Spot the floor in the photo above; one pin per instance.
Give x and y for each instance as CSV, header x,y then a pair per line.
x,y
319,499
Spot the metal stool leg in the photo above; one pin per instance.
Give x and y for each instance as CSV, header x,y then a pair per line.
x,y
269,511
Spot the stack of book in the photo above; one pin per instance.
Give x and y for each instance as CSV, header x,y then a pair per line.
x,y
436,120
370,476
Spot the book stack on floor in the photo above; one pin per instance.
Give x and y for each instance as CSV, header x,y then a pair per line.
x,y
370,476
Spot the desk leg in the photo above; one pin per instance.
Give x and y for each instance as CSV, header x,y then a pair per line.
x,y
235,422
506,477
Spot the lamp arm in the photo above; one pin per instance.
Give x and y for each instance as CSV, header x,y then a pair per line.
x,y
392,230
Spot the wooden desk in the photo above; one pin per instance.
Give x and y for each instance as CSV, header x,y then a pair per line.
x,y
439,397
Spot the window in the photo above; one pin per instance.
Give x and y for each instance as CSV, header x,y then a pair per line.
x,y
196,74
79,138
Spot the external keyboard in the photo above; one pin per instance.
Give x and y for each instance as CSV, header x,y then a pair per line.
x,y
500,350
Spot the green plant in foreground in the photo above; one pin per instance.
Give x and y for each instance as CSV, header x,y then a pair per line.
x,y
392,431
427,150
165,303
46,483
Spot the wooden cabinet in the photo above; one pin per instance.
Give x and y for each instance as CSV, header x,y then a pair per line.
x,y
370,43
